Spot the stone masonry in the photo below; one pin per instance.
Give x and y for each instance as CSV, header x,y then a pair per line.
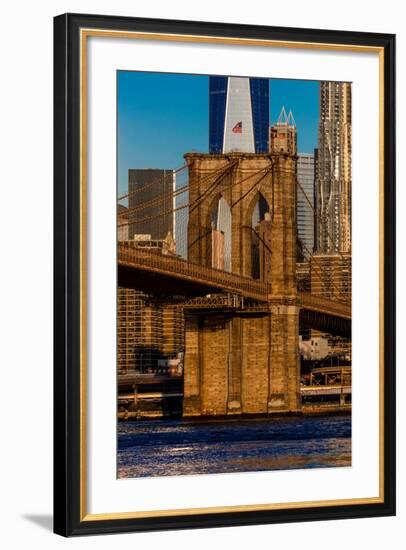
x,y
240,362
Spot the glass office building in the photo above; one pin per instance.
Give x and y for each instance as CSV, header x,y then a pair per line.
x,y
304,210
239,114
157,218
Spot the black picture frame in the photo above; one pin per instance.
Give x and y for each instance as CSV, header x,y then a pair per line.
x,y
67,346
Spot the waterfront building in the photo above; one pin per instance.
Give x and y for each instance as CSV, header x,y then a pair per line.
x,y
333,177
149,333
314,348
238,114
330,276
130,308
305,211
150,202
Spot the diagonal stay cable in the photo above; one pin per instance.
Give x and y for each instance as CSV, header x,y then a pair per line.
x,y
155,201
259,237
151,184
317,215
267,170
160,214
320,267
219,177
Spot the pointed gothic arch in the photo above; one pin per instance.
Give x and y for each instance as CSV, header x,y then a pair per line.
x,y
260,211
219,221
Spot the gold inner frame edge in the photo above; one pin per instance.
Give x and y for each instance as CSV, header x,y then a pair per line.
x,y
84,34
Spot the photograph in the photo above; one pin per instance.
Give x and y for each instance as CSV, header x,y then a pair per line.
x,y
234,270
224,258
201,308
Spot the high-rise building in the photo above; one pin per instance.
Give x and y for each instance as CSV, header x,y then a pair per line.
x,y
221,235
283,134
150,202
330,276
217,249
122,223
264,232
305,203
333,177
239,114
149,334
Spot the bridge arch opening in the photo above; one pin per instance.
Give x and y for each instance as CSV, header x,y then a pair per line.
x,y
260,238
220,223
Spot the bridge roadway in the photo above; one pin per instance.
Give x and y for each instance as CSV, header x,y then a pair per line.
x,y
165,270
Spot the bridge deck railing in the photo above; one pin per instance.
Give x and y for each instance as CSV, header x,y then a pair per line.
x,y
206,275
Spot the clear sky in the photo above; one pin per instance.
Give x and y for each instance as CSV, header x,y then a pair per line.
x,y
162,116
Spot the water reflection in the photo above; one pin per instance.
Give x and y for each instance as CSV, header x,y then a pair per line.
x,y
179,447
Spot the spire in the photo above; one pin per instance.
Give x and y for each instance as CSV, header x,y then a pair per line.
x,y
282,117
290,120
285,119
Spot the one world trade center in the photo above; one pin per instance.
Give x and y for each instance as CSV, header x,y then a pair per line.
x,y
239,114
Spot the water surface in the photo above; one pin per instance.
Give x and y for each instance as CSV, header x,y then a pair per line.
x,y
179,447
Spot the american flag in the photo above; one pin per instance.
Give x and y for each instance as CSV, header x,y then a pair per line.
x,y
237,128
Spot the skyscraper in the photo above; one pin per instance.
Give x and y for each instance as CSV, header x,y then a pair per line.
x,y
221,224
155,218
333,177
305,212
217,249
148,333
122,223
239,114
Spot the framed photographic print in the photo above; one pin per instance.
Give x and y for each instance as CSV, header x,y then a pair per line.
x,y
224,274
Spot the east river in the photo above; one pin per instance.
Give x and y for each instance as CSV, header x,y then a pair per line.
x,y
179,447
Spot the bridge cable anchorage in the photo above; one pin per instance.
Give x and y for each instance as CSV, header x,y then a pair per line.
x,y
316,214
151,183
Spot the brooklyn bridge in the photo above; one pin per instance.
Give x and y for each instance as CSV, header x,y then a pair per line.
x,y
244,294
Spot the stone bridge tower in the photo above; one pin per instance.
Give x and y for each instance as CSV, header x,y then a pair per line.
x,y
245,361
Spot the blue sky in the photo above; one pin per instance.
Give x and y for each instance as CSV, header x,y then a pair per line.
x,y
162,116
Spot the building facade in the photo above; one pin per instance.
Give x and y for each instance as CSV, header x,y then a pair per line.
x,y
331,276
305,203
122,223
238,114
217,249
150,201
149,333
333,177
283,134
